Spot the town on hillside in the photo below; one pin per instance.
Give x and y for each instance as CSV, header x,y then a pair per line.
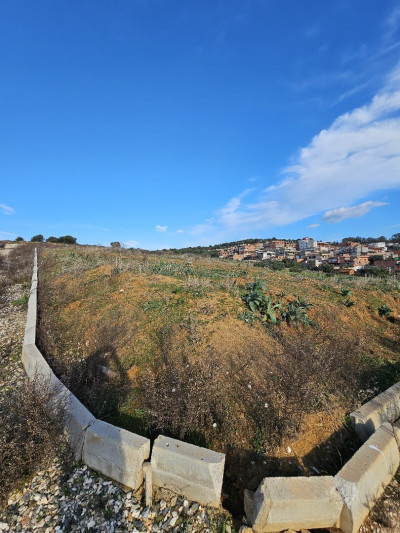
x,y
347,257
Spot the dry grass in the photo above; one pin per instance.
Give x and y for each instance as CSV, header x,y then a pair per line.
x,y
31,433
184,362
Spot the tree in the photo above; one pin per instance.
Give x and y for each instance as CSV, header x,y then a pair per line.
x,y
115,244
51,239
37,238
19,239
67,239
327,268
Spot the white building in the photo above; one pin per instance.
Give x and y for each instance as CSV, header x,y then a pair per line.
x,y
307,244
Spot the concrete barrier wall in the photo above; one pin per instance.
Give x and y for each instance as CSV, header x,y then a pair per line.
x,y
187,469
113,451
299,502
383,408
197,473
364,477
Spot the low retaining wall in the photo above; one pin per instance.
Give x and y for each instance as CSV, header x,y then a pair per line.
x,y
383,408
196,473
282,503
185,468
113,451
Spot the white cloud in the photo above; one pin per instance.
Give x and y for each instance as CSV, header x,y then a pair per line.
x,y
7,234
342,213
105,229
353,159
161,228
313,226
130,244
179,231
7,210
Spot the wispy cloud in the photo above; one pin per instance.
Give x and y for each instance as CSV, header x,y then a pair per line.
x,y
342,213
161,229
131,244
313,226
353,159
7,234
392,24
180,231
105,229
7,210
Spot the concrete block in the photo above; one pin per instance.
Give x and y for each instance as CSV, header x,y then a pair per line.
x,y
383,408
77,419
282,503
30,326
115,452
396,431
364,477
35,364
188,470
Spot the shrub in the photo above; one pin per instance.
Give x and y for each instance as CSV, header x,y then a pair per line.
x,y
31,432
37,238
384,310
67,239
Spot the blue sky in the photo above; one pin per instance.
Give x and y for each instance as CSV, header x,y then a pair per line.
x,y
181,123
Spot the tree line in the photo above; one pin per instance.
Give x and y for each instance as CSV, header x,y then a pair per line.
x,y
65,239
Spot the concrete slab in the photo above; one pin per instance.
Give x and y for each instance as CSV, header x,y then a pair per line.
x,y
115,452
77,420
30,326
188,470
364,477
282,503
35,364
383,408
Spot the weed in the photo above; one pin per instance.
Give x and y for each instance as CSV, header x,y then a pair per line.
x,y
384,310
345,292
31,432
23,301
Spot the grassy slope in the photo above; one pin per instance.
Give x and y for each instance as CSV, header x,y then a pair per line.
x,y
130,312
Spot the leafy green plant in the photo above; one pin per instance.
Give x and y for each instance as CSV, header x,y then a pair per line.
x,y
345,292
384,310
349,303
256,297
247,316
269,309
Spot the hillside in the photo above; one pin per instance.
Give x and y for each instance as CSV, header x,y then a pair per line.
x,y
167,344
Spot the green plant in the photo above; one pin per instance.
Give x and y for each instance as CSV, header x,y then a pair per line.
x,y
247,316
384,310
269,309
345,292
256,297
258,441
349,303
21,301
